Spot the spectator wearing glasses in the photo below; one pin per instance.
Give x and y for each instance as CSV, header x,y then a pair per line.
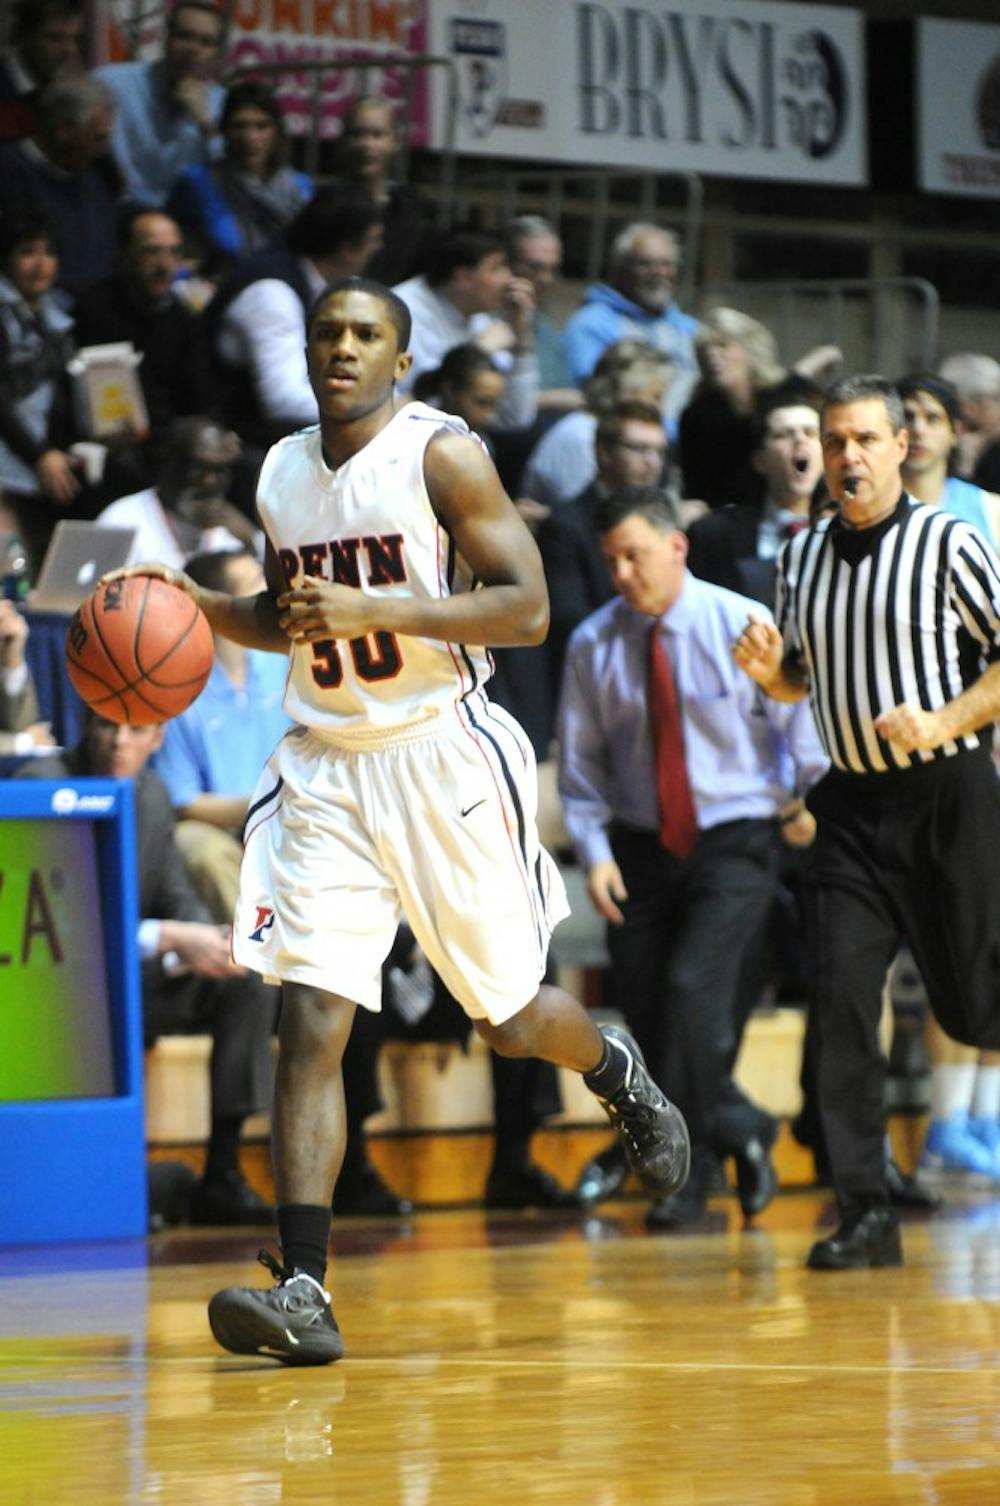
x,y
563,462
630,449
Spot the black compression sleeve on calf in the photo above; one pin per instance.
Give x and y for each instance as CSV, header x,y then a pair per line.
x,y
304,1233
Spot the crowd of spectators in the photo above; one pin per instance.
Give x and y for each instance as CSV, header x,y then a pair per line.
x,y
146,207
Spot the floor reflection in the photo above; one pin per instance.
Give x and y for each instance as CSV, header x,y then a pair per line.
x,y
583,1364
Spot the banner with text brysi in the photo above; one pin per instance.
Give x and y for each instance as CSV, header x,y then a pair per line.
x,y
742,88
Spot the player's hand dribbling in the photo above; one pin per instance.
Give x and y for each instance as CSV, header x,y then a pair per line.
x,y
168,573
320,609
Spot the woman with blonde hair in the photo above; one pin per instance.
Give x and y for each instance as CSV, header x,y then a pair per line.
x,y
738,358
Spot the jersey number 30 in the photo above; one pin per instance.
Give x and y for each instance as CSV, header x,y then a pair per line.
x,y
376,657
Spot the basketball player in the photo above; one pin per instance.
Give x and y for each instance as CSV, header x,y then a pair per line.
x,y
393,554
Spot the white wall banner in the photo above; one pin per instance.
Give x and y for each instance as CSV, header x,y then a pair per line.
x,y
958,108
745,88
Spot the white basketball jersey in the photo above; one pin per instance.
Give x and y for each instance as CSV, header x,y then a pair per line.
x,y
369,524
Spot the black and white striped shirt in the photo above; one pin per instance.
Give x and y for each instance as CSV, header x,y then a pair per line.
x,y
910,613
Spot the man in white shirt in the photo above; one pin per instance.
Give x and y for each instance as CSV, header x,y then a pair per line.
x,y
469,295
257,320
186,511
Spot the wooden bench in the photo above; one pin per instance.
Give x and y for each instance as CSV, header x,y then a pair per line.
x,y
433,1138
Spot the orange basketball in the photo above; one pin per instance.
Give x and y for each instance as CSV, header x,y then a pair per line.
x,y
139,650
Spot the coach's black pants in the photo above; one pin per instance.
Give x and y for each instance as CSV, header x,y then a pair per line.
x,y
677,964
913,854
239,1013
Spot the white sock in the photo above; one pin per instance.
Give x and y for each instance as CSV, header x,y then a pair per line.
x,y
986,1098
952,1087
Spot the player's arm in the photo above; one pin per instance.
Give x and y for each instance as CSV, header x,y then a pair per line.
x,y
250,620
511,608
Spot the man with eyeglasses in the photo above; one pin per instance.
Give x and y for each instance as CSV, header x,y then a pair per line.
x,y
167,110
630,449
637,301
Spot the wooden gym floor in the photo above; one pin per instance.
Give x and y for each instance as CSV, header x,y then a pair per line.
x,y
529,1360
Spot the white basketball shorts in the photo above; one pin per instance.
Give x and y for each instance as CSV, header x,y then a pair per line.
x,y
437,825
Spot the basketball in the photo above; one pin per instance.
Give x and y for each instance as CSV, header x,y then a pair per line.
x,y
139,650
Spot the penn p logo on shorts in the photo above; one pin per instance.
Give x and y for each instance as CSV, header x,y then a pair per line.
x,y
264,922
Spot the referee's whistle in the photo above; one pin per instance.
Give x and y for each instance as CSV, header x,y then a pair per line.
x,y
850,486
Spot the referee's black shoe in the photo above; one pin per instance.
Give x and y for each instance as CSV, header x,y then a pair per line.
x,y
651,1130
293,1322
866,1237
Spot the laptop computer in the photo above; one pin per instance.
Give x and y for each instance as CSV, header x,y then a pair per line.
x,y
79,553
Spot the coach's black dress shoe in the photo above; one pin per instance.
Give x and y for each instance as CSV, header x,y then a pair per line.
x,y
228,1199
866,1237
604,1176
367,1196
756,1178
909,1192
528,1186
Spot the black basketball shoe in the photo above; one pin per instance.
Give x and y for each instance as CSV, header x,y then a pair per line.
x,y
651,1130
292,1322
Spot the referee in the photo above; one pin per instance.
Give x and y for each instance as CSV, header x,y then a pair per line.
x,y
888,616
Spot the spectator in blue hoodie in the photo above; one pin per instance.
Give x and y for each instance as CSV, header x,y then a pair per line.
x,y
637,302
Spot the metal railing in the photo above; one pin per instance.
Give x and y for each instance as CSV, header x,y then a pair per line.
x,y
595,196
883,324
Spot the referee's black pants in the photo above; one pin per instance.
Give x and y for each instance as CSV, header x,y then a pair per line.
x,y
914,854
678,961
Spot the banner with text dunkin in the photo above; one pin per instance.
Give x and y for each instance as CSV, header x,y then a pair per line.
x,y
358,44
742,88
958,108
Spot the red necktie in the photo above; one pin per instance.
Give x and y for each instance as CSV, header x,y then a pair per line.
x,y
678,821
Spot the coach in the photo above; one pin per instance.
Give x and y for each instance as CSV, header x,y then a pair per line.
x,y
888,615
